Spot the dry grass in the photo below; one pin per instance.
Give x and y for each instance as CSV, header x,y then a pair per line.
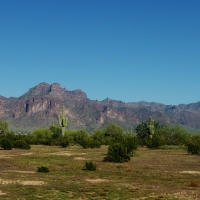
x,y
154,174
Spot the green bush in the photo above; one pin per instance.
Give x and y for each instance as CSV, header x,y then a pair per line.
x,y
64,143
21,144
6,144
155,142
165,135
43,169
41,136
130,141
3,127
193,144
89,142
117,152
90,166
112,133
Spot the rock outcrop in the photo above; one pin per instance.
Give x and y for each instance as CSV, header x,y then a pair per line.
x,y
41,105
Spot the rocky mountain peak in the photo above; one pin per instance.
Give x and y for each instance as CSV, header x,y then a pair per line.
x,y
54,90
42,104
40,89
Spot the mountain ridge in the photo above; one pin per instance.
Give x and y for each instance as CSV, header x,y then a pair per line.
x,y
41,105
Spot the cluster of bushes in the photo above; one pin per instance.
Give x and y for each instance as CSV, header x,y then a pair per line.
x,y
53,136
10,140
121,145
193,144
168,136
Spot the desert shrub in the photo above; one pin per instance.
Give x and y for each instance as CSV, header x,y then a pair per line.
x,y
172,135
130,141
43,169
142,129
56,132
94,143
117,152
193,144
99,135
41,136
6,144
165,135
193,183
89,142
112,133
90,166
21,144
155,142
80,136
3,127
64,143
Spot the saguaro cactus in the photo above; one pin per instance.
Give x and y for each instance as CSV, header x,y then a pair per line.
x,y
150,126
63,121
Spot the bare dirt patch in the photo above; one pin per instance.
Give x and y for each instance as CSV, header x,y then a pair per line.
x,y
7,182
2,193
98,180
66,153
80,158
23,172
7,156
32,183
190,172
62,153
26,154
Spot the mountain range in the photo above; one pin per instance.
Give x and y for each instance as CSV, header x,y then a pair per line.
x,y
41,105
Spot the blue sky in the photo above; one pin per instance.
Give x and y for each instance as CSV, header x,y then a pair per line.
x,y
129,50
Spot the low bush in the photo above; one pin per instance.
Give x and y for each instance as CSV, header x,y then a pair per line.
x,y
193,144
130,141
6,144
21,144
90,166
43,169
89,142
64,143
117,152
193,183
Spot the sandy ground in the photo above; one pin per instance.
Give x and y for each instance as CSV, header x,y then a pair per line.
x,y
98,180
7,182
191,172
17,171
2,193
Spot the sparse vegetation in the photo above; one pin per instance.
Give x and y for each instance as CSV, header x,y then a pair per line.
x,y
162,168
117,152
6,144
193,144
90,166
43,169
155,174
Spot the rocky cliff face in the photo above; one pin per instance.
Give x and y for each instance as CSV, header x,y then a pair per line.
x,y
41,105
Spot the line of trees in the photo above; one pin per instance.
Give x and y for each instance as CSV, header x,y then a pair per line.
x,y
121,144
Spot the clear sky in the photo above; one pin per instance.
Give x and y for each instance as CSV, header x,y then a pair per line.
x,y
129,50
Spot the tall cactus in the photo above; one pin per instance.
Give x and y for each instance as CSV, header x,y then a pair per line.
x,y
150,126
63,121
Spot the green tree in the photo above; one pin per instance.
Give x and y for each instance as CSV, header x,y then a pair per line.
x,y
99,135
193,144
3,127
143,131
112,133
117,152
56,133
41,136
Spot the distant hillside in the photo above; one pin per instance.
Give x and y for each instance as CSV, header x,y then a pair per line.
x,y
41,105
